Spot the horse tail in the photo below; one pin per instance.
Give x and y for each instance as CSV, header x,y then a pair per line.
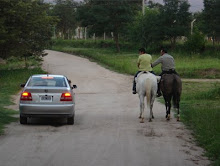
x,y
148,91
176,91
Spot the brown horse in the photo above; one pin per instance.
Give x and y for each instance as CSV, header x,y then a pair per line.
x,y
171,87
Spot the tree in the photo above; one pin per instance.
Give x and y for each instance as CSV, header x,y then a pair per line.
x,y
196,42
175,21
25,28
146,28
211,16
107,16
66,13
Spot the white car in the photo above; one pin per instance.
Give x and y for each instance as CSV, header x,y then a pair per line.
x,y
47,96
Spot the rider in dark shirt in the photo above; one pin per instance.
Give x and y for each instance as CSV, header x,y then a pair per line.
x,y
167,66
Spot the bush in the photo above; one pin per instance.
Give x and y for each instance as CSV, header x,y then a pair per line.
x,y
195,43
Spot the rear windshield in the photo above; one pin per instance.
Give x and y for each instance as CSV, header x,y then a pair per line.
x,y
47,81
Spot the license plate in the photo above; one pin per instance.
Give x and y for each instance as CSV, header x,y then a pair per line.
x,y
46,98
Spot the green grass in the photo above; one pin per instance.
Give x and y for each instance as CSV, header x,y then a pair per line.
x,y
201,112
193,66
200,109
123,63
10,79
19,62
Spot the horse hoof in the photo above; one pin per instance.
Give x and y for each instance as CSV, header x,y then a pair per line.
x,y
142,121
178,118
150,120
139,117
152,117
168,117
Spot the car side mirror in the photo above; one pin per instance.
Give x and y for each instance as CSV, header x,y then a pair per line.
x,y
74,87
22,85
69,81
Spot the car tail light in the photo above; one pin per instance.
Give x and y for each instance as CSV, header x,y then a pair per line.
x,y
66,97
26,96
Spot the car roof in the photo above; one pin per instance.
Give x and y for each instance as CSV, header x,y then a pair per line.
x,y
47,75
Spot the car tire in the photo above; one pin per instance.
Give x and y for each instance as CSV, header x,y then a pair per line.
x,y
70,120
23,120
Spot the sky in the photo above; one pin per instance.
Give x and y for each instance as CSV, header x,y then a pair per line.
x,y
196,5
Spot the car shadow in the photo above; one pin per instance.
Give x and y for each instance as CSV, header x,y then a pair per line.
x,y
55,122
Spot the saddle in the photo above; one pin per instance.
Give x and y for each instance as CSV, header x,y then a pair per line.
x,y
143,72
171,71
146,72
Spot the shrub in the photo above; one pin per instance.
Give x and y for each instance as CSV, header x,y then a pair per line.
x,y
195,43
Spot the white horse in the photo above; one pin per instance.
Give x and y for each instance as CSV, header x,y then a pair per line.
x,y
146,86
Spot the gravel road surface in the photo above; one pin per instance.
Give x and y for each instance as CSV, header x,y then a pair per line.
x,y
107,131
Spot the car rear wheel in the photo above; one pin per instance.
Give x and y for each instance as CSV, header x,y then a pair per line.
x,y
23,120
70,121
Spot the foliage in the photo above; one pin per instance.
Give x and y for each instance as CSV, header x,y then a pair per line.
x,y
195,42
175,19
160,22
65,11
94,44
25,28
106,16
211,16
146,29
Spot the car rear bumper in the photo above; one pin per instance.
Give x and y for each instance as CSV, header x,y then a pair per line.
x,y
34,110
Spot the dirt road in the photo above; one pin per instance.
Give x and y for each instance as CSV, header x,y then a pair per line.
x,y
107,131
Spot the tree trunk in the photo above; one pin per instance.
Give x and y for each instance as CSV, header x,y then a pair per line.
x,y
116,42
173,42
25,60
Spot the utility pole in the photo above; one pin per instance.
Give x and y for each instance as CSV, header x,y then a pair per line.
x,y
192,26
143,7
85,33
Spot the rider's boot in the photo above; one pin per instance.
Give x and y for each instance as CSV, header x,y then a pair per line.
x,y
158,90
134,88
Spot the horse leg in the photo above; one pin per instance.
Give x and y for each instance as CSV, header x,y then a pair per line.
x,y
168,111
151,113
178,112
151,107
177,101
168,106
141,97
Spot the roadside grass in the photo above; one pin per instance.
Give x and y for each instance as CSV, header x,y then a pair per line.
x,y
200,111
19,62
193,66
199,105
11,76
120,62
